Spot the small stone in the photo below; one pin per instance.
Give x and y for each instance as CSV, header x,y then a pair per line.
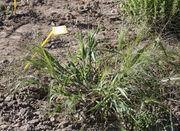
x,y
35,121
23,104
4,126
26,127
37,113
17,125
43,127
7,99
52,119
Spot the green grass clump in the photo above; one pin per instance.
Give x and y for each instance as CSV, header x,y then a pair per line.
x,y
104,85
152,11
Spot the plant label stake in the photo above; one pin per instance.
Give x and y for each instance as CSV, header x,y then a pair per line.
x,y
15,5
60,30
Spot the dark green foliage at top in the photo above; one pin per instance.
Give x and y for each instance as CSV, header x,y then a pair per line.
x,y
152,11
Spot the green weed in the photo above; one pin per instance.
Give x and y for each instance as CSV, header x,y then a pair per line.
x,y
101,85
152,11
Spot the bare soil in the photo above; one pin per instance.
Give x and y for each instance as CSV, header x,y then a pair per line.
x,y
26,110
34,20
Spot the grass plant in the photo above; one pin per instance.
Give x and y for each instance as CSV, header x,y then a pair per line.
x,y
152,11
8,9
100,84
130,84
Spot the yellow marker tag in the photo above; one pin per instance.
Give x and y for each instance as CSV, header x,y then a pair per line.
x,y
59,30
15,6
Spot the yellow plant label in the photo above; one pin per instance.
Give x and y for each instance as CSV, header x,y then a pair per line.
x,y
15,6
59,30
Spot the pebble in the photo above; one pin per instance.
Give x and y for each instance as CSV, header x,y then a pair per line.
x,y
34,121
3,126
17,125
52,119
25,127
7,99
49,123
